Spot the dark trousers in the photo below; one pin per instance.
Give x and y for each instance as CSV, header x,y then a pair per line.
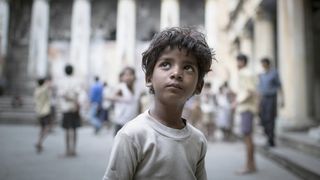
x,y
268,113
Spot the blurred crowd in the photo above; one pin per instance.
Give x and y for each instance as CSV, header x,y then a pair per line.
x,y
103,106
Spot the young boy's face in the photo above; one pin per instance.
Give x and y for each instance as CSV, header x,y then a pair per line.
x,y
175,76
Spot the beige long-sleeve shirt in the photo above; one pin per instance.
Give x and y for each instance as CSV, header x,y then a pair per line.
x,y
246,91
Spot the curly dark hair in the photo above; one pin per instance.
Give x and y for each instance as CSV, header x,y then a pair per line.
x,y
191,40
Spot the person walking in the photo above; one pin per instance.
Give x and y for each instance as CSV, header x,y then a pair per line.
x,y
42,107
96,95
269,85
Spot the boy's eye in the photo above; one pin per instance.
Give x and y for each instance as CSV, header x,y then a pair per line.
x,y
165,65
189,68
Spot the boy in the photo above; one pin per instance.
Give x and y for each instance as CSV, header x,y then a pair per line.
x,y
246,106
42,101
159,143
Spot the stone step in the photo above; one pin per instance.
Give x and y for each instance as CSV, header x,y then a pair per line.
x,y
303,165
300,141
18,118
24,114
17,109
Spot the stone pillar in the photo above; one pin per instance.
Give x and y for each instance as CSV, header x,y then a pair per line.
x,y
80,38
292,61
211,22
126,33
170,13
38,46
264,45
4,26
246,45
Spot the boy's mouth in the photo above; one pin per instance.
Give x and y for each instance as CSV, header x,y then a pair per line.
x,y
175,86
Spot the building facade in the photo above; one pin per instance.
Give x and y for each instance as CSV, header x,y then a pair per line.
x,y
99,37
286,31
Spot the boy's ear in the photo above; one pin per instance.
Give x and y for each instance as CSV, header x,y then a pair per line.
x,y
148,82
199,87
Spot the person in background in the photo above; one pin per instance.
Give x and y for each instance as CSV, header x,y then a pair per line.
x,y
225,111
246,106
70,107
269,85
106,104
53,105
125,99
96,93
208,109
42,107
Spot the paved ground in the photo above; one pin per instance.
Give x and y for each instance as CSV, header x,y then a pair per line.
x,y
18,160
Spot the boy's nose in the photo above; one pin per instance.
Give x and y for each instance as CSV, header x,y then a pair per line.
x,y
176,74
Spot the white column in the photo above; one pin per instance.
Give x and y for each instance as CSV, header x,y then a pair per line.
x,y
263,38
292,60
80,37
126,32
38,56
4,25
246,45
170,13
211,22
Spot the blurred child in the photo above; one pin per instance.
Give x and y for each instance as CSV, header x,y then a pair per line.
x,y
159,143
208,111
225,111
126,103
42,101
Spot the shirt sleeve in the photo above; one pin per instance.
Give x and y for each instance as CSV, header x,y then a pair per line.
x,y
123,160
201,173
248,88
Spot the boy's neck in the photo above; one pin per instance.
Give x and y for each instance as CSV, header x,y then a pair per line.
x,y
168,115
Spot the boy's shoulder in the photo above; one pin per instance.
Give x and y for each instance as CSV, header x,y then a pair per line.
x,y
197,133
136,126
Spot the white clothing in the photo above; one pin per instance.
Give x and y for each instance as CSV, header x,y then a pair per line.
x,y
207,102
145,149
106,104
224,111
126,106
68,93
208,108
